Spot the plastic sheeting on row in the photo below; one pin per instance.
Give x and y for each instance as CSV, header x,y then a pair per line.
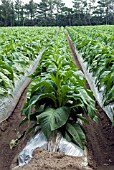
x,y
7,105
109,109
39,140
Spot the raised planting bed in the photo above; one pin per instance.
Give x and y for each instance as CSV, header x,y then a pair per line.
x,y
100,137
95,53
57,99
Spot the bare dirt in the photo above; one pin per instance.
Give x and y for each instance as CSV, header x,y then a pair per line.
x,y
43,160
100,144
8,131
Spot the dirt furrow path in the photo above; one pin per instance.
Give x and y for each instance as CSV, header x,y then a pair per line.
x,y
8,131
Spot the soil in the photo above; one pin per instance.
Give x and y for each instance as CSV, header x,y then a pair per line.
x,y
43,160
8,131
100,143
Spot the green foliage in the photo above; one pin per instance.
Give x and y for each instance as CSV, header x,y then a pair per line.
x,y
56,13
57,97
6,78
77,133
96,45
52,119
18,51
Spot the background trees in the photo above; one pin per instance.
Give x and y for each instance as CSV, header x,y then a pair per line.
x,y
54,12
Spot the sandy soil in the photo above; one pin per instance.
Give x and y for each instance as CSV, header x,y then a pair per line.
x,y
43,160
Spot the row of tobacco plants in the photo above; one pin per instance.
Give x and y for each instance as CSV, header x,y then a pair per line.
x,y
57,98
96,44
19,47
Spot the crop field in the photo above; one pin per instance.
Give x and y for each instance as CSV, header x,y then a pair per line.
x,y
18,48
61,81
97,47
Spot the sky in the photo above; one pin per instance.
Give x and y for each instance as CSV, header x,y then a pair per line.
x,y
68,3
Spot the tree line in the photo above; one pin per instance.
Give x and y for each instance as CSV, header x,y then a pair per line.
x,y
55,13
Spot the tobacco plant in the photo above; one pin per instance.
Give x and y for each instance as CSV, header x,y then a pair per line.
x,y
57,98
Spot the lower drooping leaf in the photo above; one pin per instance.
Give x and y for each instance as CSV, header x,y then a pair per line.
x,y
77,133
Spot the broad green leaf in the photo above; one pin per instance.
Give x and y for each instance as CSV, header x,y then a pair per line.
x,y
52,119
77,133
